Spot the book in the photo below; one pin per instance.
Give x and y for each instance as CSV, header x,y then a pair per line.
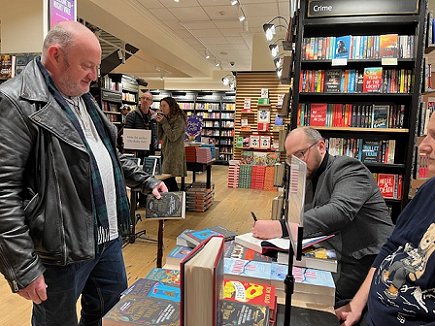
x,y
164,275
278,244
243,314
343,46
177,254
372,79
202,284
180,240
171,205
333,80
370,151
318,114
254,141
146,302
194,238
250,292
139,310
389,45
380,116
247,270
318,258
234,250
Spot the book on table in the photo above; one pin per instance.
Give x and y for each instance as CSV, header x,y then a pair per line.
x,y
252,293
146,302
277,244
243,314
171,205
177,254
195,237
164,275
202,284
317,258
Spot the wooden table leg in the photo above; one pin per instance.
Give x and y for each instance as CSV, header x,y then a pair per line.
x,y
160,244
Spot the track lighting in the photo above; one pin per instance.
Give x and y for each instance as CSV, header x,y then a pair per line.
x,y
234,2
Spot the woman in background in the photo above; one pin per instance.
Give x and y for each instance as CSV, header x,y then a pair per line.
x,y
171,129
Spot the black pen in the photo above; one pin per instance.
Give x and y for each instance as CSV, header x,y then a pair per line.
x,y
253,216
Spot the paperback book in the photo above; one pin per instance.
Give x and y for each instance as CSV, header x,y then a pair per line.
x,y
318,258
243,314
164,275
194,238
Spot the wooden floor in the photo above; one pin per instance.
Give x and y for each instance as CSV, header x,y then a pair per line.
x,y
231,209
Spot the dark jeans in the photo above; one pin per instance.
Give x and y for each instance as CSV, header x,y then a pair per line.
x,y
100,282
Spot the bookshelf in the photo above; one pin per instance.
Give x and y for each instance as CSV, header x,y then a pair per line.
x,y
114,91
381,72
249,86
217,110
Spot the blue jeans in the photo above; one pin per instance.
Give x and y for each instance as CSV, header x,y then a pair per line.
x,y
100,282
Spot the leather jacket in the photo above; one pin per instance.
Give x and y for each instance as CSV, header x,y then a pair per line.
x,y
62,230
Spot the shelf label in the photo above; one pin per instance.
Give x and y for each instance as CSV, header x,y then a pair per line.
x,y
339,62
389,61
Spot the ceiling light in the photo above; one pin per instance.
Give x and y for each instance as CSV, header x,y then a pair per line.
x,y
206,54
279,73
242,17
234,2
217,64
229,80
270,28
274,49
278,62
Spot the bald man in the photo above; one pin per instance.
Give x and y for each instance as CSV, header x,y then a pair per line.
x,y
341,198
63,203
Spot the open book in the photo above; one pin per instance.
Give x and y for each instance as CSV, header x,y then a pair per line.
x,y
278,244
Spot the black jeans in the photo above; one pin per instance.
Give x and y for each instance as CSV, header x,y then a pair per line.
x,y
100,282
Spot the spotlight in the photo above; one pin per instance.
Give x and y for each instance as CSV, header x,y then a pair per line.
x,y
234,2
274,49
270,28
242,17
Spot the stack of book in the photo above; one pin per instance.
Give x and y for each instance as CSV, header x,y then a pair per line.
x,y
245,176
257,177
190,153
199,198
311,285
233,173
269,178
203,155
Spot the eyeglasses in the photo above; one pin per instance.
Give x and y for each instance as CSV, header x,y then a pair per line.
x,y
147,99
300,154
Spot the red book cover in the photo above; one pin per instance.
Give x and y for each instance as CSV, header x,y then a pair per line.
x,y
388,45
318,114
386,184
372,80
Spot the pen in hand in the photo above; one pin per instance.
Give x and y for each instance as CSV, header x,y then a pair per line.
x,y
253,216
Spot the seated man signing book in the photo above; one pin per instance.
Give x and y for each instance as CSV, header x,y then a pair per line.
x,y
341,198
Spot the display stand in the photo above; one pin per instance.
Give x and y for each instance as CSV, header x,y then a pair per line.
x,y
295,211
133,235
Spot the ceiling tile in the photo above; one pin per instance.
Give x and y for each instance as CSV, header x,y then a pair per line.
x,y
230,31
284,9
229,24
234,39
204,33
198,24
180,4
265,10
189,14
213,40
150,4
221,12
163,14
205,3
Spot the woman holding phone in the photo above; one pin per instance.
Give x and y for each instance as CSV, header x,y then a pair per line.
x,y
171,129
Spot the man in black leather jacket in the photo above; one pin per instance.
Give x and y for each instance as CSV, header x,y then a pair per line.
x,y
63,201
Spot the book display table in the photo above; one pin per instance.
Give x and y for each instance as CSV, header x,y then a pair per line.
x,y
198,167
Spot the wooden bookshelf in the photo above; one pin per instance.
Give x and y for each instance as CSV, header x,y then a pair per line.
x,y
249,85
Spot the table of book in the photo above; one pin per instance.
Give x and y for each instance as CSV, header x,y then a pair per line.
x,y
198,167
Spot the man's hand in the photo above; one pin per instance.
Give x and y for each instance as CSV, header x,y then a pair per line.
x,y
347,315
35,291
264,229
161,187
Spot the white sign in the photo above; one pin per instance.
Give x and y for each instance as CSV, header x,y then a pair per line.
x,y
264,93
139,139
